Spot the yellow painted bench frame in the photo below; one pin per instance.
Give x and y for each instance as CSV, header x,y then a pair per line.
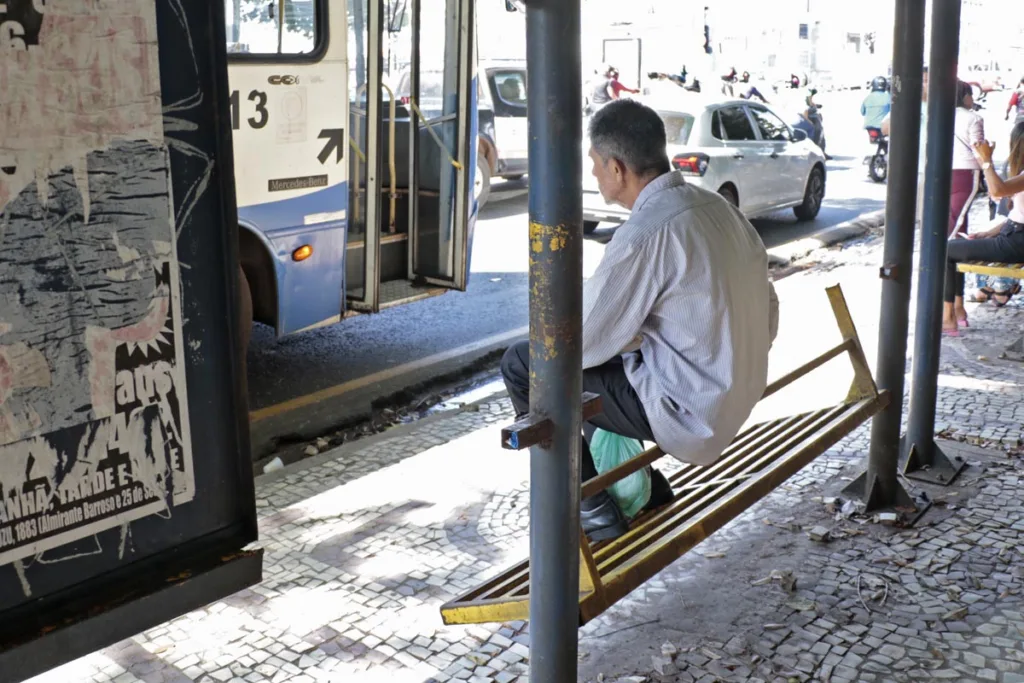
x,y
1011,270
758,460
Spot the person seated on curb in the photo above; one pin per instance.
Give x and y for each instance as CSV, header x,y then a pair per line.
x,y
678,318
1003,243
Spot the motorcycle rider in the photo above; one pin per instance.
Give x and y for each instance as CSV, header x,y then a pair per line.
x,y
813,117
728,80
751,90
606,89
877,104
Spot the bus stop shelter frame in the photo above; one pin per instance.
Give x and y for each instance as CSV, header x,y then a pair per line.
x,y
555,282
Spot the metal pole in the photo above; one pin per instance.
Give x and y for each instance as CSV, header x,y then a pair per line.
x,y
924,459
879,487
554,96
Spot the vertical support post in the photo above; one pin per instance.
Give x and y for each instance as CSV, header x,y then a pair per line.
x,y
554,97
879,487
925,460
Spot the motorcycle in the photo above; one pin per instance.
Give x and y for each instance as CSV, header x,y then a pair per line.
x,y
878,160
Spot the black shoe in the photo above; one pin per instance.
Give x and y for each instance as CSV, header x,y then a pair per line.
x,y
601,518
661,491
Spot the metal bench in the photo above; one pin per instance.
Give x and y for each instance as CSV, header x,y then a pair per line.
x,y
759,460
1010,270
1014,351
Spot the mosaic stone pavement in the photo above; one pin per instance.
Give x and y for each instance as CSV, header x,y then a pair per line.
x,y
363,544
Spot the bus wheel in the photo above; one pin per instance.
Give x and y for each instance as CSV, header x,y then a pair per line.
x,y
482,181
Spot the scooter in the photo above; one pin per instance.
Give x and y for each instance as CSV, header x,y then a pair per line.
x,y
878,161
810,122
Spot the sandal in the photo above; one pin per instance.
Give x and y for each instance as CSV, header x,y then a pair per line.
x,y
982,295
1005,296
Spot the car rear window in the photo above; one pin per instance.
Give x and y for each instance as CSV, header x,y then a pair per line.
x,y
677,128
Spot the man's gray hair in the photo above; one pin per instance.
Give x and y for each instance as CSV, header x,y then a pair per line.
x,y
632,133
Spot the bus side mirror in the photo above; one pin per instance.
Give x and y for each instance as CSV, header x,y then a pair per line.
x,y
515,6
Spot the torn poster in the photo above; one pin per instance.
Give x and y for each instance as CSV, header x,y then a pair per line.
x,y
94,428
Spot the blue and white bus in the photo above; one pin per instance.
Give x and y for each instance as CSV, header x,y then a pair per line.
x,y
348,200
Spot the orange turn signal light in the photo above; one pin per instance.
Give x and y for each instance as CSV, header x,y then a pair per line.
x,y
302,253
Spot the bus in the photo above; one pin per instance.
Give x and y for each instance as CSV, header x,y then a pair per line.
x,y
351,200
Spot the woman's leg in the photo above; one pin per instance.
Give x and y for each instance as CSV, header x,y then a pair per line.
x,y
953,313
959,250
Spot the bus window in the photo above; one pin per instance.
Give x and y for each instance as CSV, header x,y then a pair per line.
x,y
256,27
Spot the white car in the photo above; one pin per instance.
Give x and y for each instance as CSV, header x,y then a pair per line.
x,y
737,148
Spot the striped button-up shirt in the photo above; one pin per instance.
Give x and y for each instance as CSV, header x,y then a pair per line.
x,y
688,275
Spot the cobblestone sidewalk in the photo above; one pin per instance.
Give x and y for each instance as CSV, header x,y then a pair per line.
x,y
363,545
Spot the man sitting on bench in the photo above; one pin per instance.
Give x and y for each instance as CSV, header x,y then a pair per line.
x,y
677,319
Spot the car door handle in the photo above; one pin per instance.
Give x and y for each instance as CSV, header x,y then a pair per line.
x,y
737,155
774,155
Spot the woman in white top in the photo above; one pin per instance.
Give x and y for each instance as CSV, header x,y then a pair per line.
x,y
1004,243
968,129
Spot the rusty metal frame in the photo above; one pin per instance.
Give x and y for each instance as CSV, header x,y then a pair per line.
x,y
760,459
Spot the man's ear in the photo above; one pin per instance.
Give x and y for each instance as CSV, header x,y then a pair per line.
x,y
619,168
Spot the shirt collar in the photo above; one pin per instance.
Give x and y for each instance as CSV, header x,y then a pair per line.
x,y
663,182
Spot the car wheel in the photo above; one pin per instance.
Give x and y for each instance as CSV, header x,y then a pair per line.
x,y
589,227
482,181
813,196
730,195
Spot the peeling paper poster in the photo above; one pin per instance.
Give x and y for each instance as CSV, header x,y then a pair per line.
x,y
94,425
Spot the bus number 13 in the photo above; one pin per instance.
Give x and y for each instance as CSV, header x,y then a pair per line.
x,y
259,99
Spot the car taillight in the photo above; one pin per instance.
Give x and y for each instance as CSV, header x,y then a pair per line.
x,y
691,164
404,99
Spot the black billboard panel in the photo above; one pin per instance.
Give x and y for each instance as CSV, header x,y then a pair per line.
x,y
126,491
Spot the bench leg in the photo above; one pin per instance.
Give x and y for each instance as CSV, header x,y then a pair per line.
x,y
592,597
863,383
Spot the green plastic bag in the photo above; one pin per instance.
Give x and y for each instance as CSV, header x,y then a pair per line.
x,y
611,450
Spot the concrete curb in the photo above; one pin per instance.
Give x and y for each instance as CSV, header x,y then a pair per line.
x,y
397,431
843,232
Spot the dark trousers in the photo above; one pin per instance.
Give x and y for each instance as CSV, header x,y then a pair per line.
x,y
1006,247
622,411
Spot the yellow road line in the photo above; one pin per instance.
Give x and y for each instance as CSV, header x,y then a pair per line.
x,y
382,376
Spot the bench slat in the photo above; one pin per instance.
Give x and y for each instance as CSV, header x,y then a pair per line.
x,y
1010,270
686,506
708,501
771,473
686,478
704,499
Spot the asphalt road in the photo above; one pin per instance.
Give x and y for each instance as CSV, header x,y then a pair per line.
x,y
302,385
